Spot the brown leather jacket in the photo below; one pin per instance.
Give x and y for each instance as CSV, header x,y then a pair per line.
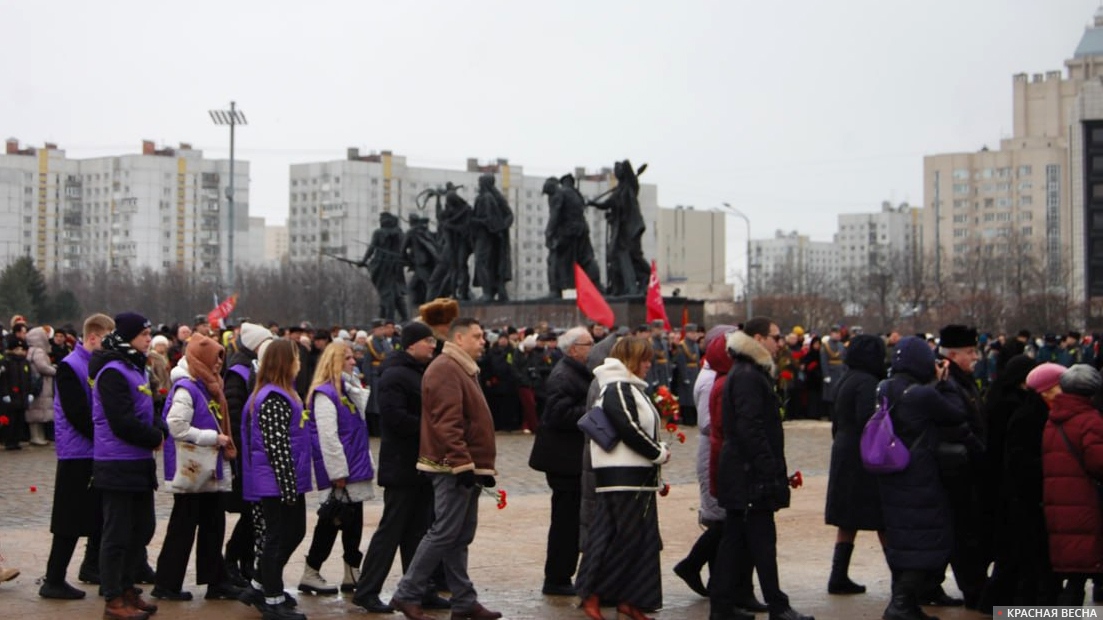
x,y
457,430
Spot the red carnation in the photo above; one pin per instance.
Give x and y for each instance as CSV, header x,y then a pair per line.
x,y
4,421
796,480
681,437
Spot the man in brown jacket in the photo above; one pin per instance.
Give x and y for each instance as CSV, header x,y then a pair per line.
x,y
457,452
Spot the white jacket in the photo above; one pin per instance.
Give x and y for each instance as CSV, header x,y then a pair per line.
x,y
632,465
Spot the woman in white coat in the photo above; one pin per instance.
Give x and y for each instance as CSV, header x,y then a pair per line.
x,y
41,410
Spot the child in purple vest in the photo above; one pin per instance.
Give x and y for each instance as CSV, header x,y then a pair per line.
x,y
342,461
275,456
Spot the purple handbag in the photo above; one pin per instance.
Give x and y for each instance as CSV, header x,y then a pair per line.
x,y
882,451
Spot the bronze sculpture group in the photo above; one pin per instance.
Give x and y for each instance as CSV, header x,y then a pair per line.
x,y
438,261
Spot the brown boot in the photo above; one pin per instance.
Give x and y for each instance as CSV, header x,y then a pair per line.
x,y
118,609
412,611
135,600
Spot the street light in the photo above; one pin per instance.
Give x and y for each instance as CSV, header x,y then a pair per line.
x,y
746,285
232,117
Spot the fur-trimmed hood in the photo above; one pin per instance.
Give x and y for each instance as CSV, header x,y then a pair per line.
x,y
740,344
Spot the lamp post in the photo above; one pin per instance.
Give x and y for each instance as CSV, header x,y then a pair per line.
x,y
232,117
748,293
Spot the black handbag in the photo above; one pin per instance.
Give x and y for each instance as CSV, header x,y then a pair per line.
x,y
337,507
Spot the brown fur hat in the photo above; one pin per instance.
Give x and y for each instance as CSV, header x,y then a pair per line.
x,y
439,313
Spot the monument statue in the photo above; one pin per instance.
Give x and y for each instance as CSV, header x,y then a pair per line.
x,y
490,222
384,261
450,277
420,254
567,235
625,268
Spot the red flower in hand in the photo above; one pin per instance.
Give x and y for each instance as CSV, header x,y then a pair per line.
x,y
501,499
663,492
671,427
796,480
786,375
681,437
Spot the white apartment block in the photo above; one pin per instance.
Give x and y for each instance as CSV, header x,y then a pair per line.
x,y
160,209
881,242
692,256
276,245
335,206
791,263
1029,196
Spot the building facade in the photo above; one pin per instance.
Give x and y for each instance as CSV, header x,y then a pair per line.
x,y
692,254
336,205
792,264
160,209
878,242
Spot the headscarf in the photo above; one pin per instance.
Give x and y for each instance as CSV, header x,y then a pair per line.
x,y
202,354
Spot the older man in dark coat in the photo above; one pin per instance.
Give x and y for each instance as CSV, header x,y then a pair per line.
x,y
919,529
557,452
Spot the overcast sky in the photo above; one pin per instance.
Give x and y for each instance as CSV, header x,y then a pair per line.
x,y
792,111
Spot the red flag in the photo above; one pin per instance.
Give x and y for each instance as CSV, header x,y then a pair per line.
x,y
590,301
685,319
655,307
221,311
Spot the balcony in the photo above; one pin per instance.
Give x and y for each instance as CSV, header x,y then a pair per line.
x,y
210,180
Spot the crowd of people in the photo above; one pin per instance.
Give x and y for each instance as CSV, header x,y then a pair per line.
x,y
1004,436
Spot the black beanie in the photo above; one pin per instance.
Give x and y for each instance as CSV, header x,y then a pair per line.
x,y
129,324
414,332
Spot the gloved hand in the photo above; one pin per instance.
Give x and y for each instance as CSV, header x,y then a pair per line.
x,y
6,399
465,479
30,398
487,482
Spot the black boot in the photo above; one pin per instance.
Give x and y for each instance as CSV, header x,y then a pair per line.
x,y
903,607
839,582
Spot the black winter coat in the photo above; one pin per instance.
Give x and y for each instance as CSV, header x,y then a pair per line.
x,y
400,420
918,522
853,501
237,391
752,471
1024,534
559,444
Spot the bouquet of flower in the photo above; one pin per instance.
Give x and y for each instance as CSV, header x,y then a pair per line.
x,y
667,405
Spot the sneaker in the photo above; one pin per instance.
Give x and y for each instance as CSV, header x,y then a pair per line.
x,y
60,591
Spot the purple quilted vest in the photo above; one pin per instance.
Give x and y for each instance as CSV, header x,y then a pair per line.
x,y
353,433
202,418
107,446
69,443
258,478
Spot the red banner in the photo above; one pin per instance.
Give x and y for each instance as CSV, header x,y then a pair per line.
x,y
221,311
590,301
655,307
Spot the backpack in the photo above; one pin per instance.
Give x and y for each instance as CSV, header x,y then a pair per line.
x,y
881,450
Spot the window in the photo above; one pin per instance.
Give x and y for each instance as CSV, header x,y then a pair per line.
x,y
989,217
1026,201
1026,216
961,188
1003,203
961,233
961,174
1028,231
1025,171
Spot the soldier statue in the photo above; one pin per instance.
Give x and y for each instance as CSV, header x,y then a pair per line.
x,y
420,255
450,277
490,222
626,270
567,235
384,261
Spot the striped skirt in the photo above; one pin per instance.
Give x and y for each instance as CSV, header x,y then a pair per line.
x,y
620,558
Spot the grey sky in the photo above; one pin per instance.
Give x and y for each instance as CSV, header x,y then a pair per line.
x,y
792,111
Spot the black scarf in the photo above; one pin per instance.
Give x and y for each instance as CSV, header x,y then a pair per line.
x,y
114,342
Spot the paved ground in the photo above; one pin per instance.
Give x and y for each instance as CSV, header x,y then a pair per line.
x,y
507,557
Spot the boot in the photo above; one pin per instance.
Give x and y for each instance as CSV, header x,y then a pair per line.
x,y
60,591
839,582
632,612
38,434
312,582
692,576
134,599
903,607
352,575
118,609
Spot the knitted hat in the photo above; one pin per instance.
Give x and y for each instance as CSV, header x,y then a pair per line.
x,y
1081,379
160,339
129,325
414,332
1044,377
252,335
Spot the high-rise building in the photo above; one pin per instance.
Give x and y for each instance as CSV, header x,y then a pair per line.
x,y
1025,203
692,253
276,245
336,205
883,241
160,209
792,264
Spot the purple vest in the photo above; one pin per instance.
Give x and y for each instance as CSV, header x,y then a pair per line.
x,y
353,433
69,443
107,446
242,371
202,418
258,478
